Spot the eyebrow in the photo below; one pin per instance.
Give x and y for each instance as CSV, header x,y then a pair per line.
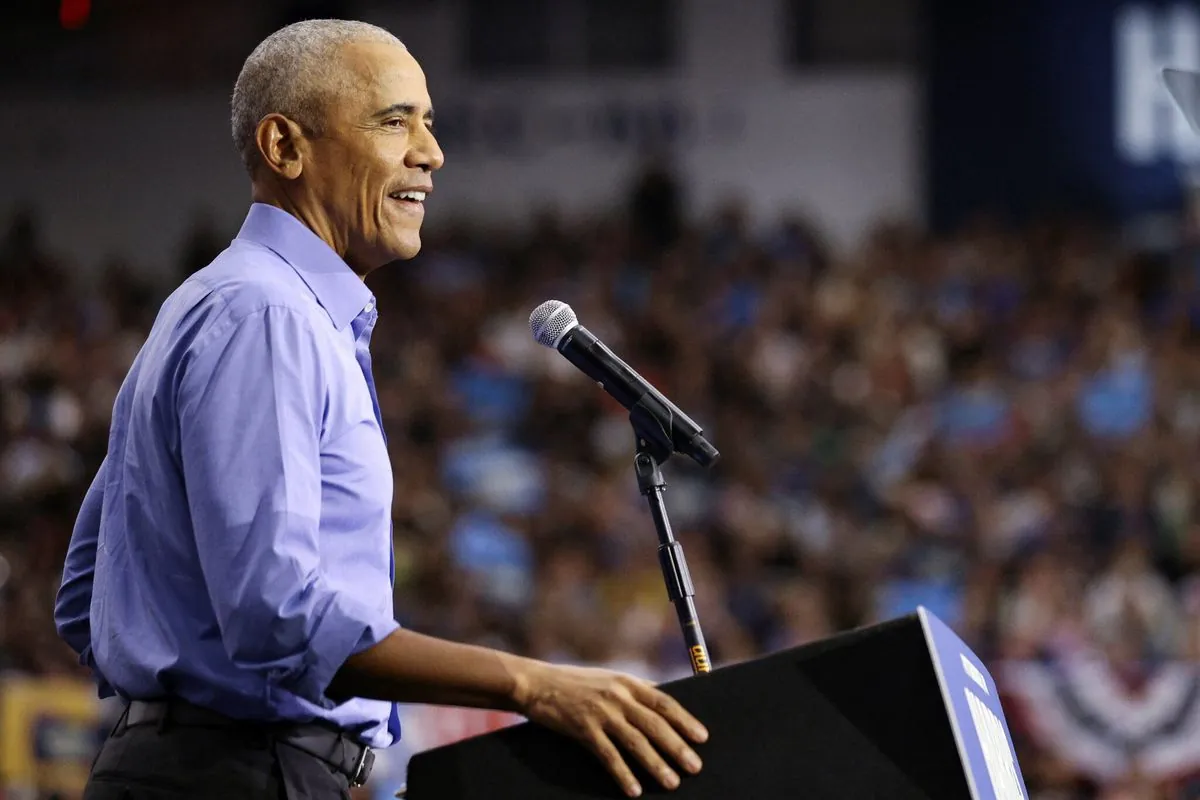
x,y
406,109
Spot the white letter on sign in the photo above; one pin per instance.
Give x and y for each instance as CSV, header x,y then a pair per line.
x,y
1001,763
1148,126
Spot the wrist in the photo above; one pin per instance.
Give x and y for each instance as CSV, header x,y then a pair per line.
x,y
521,680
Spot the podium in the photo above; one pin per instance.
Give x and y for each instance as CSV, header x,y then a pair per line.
x,y
902,709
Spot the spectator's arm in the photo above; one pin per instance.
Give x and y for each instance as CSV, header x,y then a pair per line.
x,y
250,405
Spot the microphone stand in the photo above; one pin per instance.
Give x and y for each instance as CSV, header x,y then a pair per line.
x,y
653,448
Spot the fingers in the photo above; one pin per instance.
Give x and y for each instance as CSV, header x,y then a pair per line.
x,y
669,709
639,746
665,738
607,711
608,754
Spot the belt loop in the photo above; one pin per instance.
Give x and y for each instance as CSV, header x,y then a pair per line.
x,y
120,725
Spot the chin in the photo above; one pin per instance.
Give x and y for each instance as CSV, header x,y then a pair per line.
x,y
409,249
404,246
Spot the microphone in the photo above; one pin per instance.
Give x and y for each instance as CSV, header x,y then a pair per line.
x,y
656,420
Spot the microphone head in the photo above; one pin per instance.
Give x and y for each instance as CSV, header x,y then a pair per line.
x,y
551,321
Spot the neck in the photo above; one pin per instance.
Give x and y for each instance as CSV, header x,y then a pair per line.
x,y
309,213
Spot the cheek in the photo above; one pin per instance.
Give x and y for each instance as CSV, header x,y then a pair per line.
x,y
360,193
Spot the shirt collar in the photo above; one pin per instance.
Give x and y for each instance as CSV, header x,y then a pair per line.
x,y
339,291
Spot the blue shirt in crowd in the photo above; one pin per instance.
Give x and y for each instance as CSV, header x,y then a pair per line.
x,y
235,547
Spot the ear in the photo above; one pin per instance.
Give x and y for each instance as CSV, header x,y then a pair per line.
x,y
282,145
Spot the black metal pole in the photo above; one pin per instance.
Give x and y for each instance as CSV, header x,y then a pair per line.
x,y
670,556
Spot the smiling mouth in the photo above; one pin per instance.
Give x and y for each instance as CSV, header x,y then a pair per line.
x,y
408,197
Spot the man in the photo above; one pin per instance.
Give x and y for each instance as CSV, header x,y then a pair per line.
x,y
230,572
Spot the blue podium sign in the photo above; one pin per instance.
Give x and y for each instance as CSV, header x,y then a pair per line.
x,y
976,717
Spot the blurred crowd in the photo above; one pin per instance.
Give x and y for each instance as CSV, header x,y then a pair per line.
x,y
1001,424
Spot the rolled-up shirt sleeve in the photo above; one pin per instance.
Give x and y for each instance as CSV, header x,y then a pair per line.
x,y
72,606
251,403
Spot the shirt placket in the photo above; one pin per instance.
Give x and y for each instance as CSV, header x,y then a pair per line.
x,y
362,327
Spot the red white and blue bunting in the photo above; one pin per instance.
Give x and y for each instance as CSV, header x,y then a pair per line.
x,y
1080,710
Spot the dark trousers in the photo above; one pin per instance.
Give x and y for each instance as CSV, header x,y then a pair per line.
x,y
168,760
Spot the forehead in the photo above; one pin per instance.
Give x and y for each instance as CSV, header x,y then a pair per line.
x,y
382,74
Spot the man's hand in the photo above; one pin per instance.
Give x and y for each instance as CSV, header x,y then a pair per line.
x,y
595,706
600,708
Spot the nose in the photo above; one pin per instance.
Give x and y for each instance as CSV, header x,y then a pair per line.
x,y
425,153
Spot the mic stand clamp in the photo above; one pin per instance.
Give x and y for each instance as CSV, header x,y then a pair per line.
x,y
652,451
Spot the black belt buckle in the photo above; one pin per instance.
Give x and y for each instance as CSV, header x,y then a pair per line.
x,y
362,769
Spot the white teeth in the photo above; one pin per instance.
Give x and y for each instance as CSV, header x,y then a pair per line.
x,y
418,196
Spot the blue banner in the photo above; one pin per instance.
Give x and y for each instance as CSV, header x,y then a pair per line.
x,y
1039,106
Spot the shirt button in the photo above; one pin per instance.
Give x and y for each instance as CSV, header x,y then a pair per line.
x,y
370,307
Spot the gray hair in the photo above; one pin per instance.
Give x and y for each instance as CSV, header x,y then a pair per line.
x,y
292,72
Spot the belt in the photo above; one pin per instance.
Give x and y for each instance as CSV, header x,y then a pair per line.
x,y
351,758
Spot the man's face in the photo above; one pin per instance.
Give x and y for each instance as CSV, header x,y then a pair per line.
x,y
373,165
